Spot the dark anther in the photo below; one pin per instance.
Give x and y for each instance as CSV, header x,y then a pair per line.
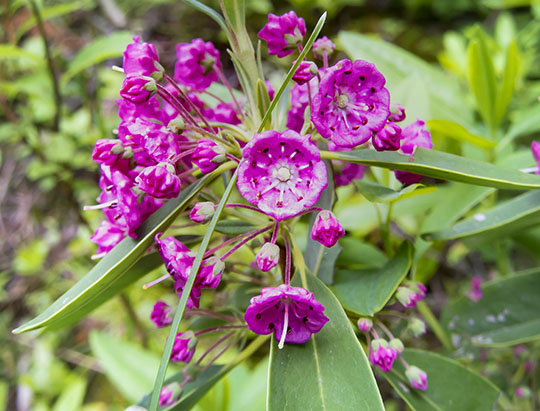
x,y
258,316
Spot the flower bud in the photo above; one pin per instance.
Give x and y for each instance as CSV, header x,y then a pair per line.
x,y
283,33
327,230
397,113
417,377
417,326
177,125
267,257
184,347
523,392
322,45
208,155
382,355
364,324
159,181
397,345
138,89
305,72
170,394
406,297
202,212
387,139
142,59
161,314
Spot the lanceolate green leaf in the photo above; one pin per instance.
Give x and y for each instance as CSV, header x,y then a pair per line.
x,y
516,214
365,292
108,277
328,372
450,385
378,193
507,314
457,132
506,89
436,164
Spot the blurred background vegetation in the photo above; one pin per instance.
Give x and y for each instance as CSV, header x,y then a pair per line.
x,y
57,93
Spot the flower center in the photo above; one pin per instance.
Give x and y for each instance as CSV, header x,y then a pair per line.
x,y
283,174
342,101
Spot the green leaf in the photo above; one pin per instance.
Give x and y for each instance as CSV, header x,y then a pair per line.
x,y
451,386
100,49
72,397
481,76
410,79
436,164
521,212
506,88
234,227
129,367
330,371
358,254
451,129
112,273
507,314
214,15
366,292
378,193
8,51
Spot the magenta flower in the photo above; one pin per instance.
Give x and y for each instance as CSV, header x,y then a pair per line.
x,y
410,293
364,324
299,103
282,173
388,138
159,181
142,59
535,148
305,72
138,89
109,152
349,172
170,394
327,230
202,212
382,355
161,314
413,136
323,45
351,104
208,155
397,113
292,309
267,257
283,33
107,236
195,65
475,293
417,377
184,347
224,113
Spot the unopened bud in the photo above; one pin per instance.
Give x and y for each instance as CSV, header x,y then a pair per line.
x,y
177,125
365,324
417,377
267,257
397,345
417,326
202,212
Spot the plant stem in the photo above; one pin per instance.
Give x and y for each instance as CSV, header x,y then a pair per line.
x,y
436,327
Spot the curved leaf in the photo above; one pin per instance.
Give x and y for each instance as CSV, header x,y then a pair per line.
x,y
521,212
365,292
112,274
330,371
507,314
451,129
378,193
436,164
451,386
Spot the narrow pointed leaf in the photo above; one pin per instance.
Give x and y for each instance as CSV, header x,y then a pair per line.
x,y
330,371
378,193
112,273
214,15
451,386
506,89
366,292
507,314
453,130
436,164
521,212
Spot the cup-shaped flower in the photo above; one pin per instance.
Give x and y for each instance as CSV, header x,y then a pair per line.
x,y
159,181
195,64
365,324
351,104
184,347
388,138
208,155
202,212
292,313
417,326
282,173
267,257
138,89
326,229
170,394
142,59
322,45
397,345
283,33
161,314
417,377
382,355
305,72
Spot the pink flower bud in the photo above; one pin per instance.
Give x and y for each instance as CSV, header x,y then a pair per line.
x,y
194,67
397,345
365,324
267,257
283,33
161,314
305,72
184,347
202,212
159,181
322,45
417,326
170,394
327,230
387,139
417,377
208,155
142,59
138,89
382,355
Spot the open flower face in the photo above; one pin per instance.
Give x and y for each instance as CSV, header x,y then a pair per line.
x,y
282,173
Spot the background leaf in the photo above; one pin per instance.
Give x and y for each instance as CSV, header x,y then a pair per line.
x,y
451,386
330,371
507,314
365,292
